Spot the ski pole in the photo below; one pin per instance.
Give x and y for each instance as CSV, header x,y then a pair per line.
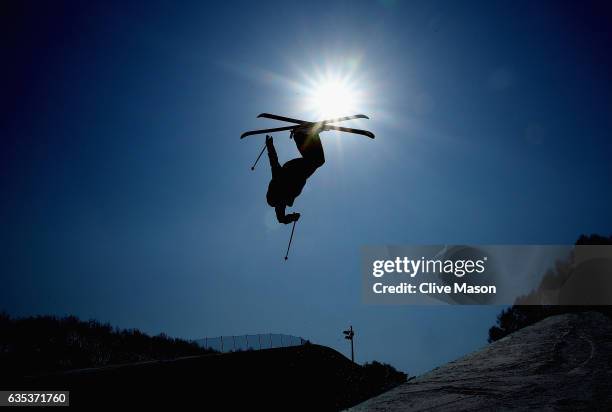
x,y
260,153
290,239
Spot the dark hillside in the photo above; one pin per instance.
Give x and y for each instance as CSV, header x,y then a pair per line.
x,y
47,344
309,376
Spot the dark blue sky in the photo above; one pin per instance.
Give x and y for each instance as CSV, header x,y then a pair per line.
x,y
127,194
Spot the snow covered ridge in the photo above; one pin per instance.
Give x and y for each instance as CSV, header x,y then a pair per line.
x,y
560,363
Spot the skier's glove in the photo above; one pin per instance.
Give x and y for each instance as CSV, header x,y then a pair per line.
x,y
293,217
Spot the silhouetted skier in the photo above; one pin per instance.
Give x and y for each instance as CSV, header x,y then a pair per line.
x,y
289,180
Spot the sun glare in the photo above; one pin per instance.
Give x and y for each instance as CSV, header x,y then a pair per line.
x,y
332,95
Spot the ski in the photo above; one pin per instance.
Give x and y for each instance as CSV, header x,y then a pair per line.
x,y
298,121
277,129
349,130
310,127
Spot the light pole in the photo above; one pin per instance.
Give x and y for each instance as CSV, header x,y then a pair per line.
x,y
350,334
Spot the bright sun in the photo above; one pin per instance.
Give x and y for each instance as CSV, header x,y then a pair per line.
x,y
332,96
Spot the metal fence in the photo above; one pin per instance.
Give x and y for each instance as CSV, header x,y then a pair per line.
x,y
250,342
